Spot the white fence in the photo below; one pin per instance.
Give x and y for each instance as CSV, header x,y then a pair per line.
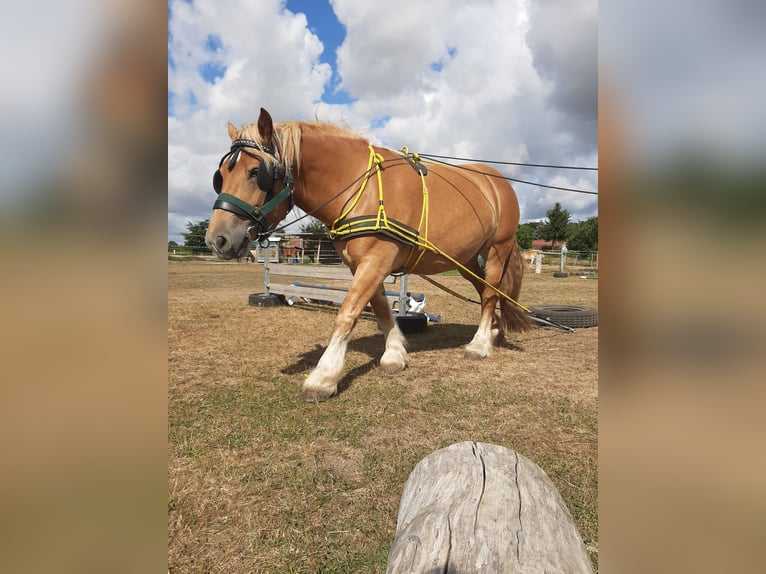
x,y
318,249
573,260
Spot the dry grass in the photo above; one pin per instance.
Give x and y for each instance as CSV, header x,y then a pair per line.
x,y
261,482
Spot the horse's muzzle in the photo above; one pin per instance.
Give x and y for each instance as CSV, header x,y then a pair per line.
x,y
223,248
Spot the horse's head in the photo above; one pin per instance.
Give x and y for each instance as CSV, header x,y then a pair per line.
x,y
254,190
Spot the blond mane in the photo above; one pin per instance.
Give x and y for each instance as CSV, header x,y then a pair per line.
x,y
290,134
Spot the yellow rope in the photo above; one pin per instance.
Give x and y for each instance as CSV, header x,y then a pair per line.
x,y
381,223
377,159
431,247
448,290
423,224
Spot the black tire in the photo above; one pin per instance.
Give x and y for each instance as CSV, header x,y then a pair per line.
x,y
574,316
560,274
263,300
412,322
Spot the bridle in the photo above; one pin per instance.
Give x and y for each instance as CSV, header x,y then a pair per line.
x,y
267,176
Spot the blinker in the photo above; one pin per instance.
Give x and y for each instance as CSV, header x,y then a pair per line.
x,y
217,181
265,178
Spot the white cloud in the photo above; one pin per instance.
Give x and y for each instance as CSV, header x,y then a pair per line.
x,y
487,98
270,58
389,45
448,77
580,206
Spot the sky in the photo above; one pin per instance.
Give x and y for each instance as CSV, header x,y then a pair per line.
x,y
502,80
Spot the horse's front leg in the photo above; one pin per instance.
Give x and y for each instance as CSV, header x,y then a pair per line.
x,y
322,383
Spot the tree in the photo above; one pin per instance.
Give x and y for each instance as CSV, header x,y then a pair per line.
x,y
195,237
525,234
314,226
535,225
584,236
172,244
556,229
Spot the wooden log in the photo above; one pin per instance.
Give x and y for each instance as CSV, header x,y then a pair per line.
x,y
477,507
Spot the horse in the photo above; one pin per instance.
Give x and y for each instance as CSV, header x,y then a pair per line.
x,y
530,255
386,212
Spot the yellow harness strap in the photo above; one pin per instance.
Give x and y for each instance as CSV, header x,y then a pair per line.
x,y
422,225
377,160
381,223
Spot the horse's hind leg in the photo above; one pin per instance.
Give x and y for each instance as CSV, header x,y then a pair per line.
x,y
487,334
489,331
395,357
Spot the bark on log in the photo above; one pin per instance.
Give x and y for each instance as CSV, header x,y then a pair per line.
x,y
477,507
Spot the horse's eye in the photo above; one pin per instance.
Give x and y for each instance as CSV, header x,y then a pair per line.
x,y
253,173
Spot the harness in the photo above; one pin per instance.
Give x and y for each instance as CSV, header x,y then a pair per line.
x,y
380,223
342,227
267,175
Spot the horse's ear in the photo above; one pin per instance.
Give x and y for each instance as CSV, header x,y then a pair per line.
x,y
232,131
265,126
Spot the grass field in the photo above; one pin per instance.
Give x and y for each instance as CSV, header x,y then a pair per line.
x,y
259,481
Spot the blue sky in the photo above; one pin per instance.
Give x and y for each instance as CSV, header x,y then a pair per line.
x,y
508,80
323,22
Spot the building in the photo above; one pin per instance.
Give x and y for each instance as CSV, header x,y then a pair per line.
x,y
273,250
547,245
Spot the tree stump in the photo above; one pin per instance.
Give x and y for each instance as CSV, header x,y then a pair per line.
x,y
476,507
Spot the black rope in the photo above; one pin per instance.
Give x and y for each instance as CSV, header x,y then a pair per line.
x,y
508,162
513,178
431,157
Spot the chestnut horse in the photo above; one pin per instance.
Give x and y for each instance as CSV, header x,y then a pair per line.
x,y
386,214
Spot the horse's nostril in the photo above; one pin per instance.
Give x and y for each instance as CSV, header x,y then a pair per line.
x,y
220,242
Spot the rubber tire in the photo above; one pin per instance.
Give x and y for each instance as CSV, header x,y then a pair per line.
x,y
560,274
262,300
412,323
575,316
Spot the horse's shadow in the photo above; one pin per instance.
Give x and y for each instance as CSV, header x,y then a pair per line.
x,y
435,338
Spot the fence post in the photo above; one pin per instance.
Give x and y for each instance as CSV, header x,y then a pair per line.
x,y
562,262
563,258
266,277
402,296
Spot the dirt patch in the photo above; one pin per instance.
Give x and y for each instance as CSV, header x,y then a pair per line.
x,y
261,482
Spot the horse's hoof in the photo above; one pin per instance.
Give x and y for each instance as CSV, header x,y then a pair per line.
x,y
316,395
473,356
392,368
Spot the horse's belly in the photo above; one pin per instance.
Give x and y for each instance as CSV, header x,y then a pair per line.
x,y
431,262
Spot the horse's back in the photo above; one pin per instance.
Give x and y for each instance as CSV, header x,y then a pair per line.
x,y
477,189
468,209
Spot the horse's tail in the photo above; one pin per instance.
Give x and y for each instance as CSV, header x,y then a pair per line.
x,y
513,317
